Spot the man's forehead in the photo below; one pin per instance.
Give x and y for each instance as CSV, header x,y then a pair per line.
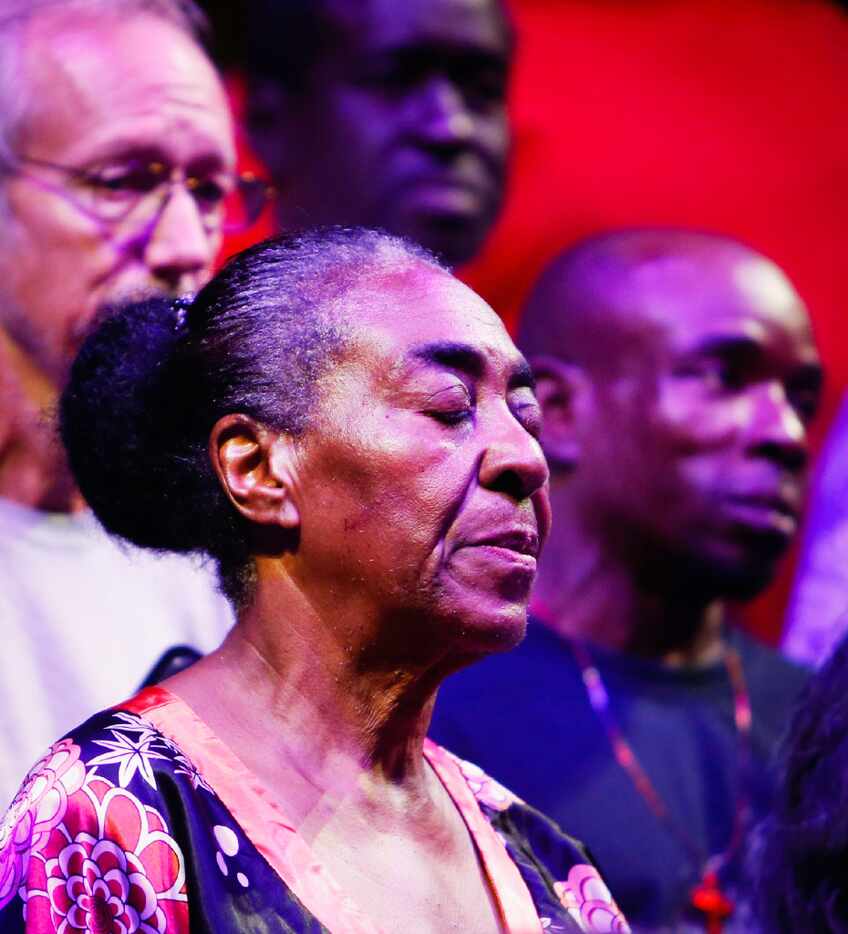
x,y
691,298
99,79
386,25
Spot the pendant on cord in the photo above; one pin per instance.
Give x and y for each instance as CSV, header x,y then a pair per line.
x,y
708,898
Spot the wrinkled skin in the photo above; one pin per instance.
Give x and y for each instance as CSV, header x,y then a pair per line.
x,y
100,100
413,506
415,464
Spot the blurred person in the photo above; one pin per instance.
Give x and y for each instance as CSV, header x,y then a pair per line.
x,y
385,114
116,158
817,618
677,373
803,844
372,490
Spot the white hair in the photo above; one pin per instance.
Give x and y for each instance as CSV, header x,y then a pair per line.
x,y
17,15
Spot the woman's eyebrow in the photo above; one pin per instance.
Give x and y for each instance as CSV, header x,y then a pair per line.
x,y
451,355
455,355
522,375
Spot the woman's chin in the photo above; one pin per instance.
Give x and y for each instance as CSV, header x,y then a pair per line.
x,y
486,629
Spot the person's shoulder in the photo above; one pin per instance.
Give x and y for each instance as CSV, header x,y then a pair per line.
x,y
93,805
496,800
489,794
774,682
762,663
116,752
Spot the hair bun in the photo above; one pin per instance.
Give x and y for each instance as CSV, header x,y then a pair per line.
x,y
117,416
154,377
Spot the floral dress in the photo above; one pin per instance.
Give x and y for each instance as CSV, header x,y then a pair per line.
x,y
142,820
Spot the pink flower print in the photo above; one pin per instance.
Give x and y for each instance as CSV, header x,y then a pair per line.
x,y
485,789
120,872
95,885
36,810
15,836
589,902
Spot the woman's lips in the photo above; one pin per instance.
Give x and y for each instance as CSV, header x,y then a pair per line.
x,y
512,549
523,540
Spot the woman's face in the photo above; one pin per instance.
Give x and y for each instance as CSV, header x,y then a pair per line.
x,y
421,487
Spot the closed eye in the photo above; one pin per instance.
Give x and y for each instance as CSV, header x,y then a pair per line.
x,y
451,405
529,416
526,409
454,417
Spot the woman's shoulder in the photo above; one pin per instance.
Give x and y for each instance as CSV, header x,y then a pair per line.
x,y
90,815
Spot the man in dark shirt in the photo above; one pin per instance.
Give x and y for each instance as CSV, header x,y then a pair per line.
x,y
677,374
383,114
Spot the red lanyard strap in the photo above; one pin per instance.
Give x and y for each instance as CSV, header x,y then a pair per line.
x,y
707,896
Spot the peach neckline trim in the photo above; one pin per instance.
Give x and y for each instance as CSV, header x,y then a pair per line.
x,y
265,824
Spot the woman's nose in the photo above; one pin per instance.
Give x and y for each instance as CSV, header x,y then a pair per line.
x,y
513,461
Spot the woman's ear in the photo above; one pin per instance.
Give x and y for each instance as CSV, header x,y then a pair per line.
x,y
255,468
560,389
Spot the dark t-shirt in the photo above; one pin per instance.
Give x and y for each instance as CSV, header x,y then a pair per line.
x,y
525,718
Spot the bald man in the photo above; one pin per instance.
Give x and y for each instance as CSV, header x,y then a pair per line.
x,y
677,373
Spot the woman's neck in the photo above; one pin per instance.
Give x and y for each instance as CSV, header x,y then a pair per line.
x,y
293,691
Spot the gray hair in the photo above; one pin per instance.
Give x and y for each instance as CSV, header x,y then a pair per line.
x,y
151,381
17,15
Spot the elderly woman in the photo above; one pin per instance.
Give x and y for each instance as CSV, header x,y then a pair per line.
x,y
350,434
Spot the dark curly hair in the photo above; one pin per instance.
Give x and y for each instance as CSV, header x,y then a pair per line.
x,y
154,377
802,852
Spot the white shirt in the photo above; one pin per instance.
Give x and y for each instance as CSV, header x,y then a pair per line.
x,y
83,620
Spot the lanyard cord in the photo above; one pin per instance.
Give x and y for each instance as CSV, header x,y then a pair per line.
x,y
707,896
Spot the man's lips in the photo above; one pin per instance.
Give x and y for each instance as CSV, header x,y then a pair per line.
x,y
765,512
446,189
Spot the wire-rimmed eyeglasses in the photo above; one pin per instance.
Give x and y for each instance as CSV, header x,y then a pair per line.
x,y
227,201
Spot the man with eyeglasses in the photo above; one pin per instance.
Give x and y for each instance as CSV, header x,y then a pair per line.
x,y
117,178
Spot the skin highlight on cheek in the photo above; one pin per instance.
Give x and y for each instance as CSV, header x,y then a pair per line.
x,y
693,424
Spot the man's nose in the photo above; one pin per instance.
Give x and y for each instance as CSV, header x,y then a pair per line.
x,y
778,431
180,246
444,118
513,462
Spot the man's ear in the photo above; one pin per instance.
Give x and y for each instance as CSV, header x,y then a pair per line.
x,y
561,388
255,468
